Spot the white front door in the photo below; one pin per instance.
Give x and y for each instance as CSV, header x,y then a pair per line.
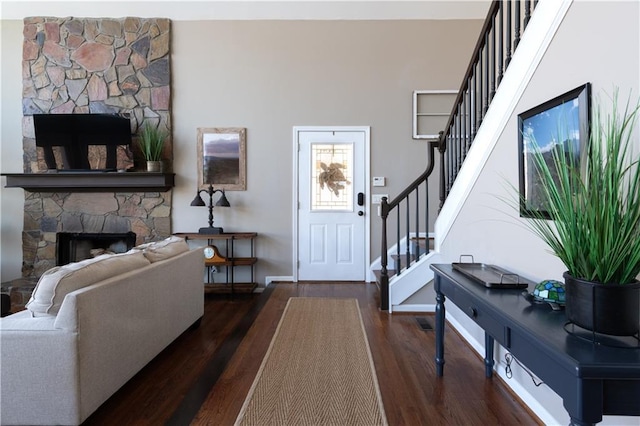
x,y
332,217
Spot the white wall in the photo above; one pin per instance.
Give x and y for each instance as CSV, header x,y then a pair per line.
x,y
11,200
269,76
598,42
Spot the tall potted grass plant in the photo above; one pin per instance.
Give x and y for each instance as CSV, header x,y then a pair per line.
x,y
595,222
151,141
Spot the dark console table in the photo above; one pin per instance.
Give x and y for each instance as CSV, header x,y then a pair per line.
x,y
591,378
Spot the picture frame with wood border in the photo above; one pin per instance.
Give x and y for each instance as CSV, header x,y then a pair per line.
x,y
222,158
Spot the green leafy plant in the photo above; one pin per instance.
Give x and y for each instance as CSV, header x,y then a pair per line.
x,y
151,142
595,212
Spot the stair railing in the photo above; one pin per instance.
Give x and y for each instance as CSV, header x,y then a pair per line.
x,y
498,41
499,38
407,225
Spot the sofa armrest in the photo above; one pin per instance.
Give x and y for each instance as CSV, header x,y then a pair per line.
x,y
39,371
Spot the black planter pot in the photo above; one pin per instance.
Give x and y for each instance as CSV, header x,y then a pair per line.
x,y
607,309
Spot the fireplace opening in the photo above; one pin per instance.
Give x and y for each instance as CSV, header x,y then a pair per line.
x,y
76,246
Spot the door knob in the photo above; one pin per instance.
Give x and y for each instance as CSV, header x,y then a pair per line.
x,y
361,213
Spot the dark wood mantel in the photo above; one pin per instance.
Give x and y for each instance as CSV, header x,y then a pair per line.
x,y
91,181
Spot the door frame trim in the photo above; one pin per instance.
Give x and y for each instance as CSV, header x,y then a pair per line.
x,y
367,187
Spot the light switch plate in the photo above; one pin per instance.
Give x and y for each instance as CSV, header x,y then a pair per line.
x,y
379,181
377,198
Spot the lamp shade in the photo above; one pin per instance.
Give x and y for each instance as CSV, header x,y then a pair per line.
x,y
222,201
198,201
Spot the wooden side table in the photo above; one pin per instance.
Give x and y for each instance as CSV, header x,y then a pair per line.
x,y
225,257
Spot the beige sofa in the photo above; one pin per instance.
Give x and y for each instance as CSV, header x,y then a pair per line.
x,y
79,341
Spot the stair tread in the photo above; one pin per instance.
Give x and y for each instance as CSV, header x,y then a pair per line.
x,y
422,242
412,256
398,256
378,272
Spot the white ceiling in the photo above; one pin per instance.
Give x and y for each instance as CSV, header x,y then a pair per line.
x,y
245,10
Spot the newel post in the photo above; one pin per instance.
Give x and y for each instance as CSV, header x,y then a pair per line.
x,y
384,273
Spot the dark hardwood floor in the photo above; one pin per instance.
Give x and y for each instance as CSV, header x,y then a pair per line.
x,y
205,375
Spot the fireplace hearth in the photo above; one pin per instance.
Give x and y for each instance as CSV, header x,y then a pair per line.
x,y
76,246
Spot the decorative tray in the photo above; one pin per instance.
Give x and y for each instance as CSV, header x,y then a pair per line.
x,y
490,276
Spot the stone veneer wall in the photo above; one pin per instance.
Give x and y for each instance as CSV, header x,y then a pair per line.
x,y
78,65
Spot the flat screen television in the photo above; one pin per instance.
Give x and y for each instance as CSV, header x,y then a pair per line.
x,y
75,133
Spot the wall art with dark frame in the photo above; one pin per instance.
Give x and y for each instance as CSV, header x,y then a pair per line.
x,y
560,123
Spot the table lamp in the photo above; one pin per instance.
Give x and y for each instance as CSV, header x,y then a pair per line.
x,y
222,202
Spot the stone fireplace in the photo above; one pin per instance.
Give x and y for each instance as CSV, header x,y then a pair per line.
x,y
83,65
145,214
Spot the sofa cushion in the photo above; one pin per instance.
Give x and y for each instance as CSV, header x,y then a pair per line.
x,y
57,282
161,250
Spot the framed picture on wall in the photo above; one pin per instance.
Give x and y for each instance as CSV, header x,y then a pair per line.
x,y
560,126
222,158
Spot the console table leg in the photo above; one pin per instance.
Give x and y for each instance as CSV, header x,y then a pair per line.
x,y
440,311
584,404
488,355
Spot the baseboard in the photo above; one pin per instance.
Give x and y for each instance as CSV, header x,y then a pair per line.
x,y
414,308
269,280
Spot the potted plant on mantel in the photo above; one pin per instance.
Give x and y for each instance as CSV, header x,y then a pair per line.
x,y
151,142
595,223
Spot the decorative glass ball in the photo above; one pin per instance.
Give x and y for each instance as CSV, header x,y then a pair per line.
x,y
551,291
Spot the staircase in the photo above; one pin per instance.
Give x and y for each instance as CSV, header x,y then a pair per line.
x,y
403,265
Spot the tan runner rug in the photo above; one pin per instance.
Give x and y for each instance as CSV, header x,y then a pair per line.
x,y
318,369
